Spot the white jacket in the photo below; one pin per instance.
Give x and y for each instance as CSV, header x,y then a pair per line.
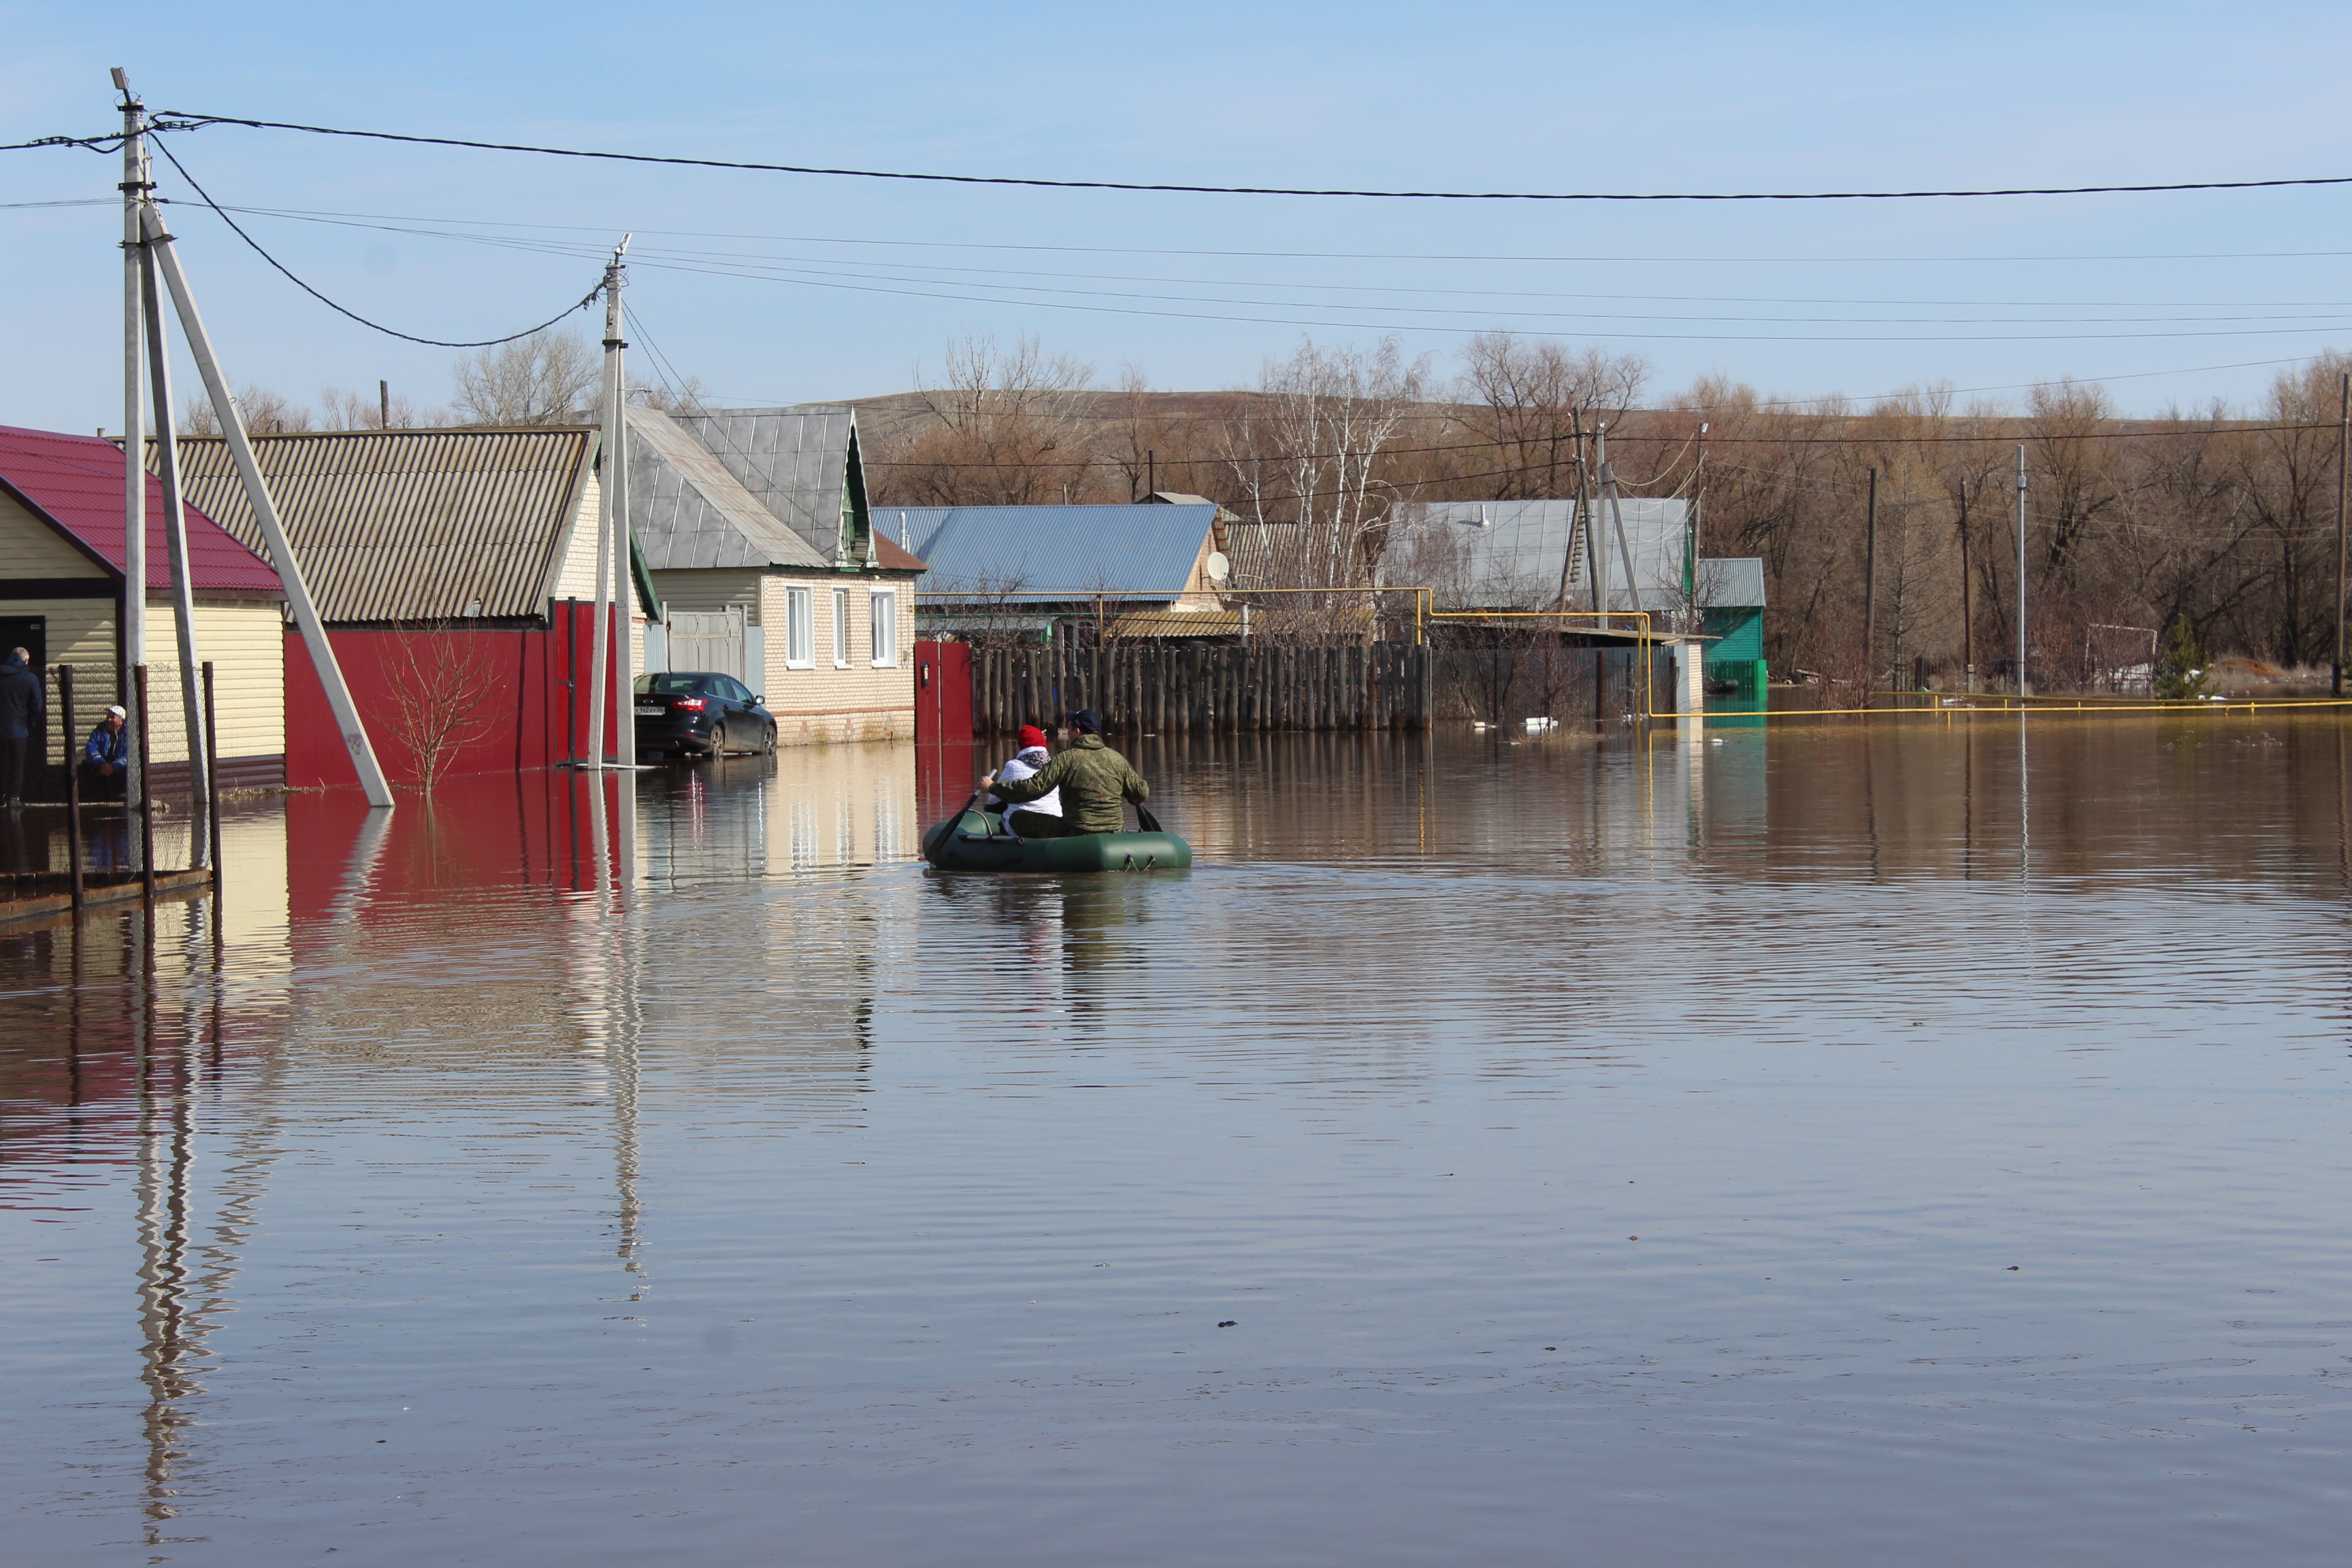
x,y
1024,763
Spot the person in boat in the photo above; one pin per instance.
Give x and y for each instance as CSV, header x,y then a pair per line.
x,y
1031,756
1098,781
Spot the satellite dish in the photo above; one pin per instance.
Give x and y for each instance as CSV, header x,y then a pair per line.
x,y
1217,566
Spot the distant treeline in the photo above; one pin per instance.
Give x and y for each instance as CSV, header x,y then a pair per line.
x,y
2225,517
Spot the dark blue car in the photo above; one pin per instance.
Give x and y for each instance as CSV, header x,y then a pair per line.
x,y
700,713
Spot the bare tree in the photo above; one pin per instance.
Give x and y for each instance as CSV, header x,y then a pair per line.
x,y
1002,428
1307,452
360,411
1525,397
543,379
441,686
265,413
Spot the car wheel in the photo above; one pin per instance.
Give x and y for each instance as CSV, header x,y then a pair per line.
x,y
768,742
718,740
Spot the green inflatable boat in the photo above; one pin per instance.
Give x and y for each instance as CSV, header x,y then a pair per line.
x,y
975,840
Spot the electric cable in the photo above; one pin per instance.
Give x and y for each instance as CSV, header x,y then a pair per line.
x,y
587,299
175,120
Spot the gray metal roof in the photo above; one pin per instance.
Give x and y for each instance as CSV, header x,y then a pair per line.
x,y
1053,553
794,461
689,509
1488,554
410,525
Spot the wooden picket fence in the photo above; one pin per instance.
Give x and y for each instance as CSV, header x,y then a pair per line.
x,y
1172,689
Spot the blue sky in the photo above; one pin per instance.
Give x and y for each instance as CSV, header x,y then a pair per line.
x,y
860,281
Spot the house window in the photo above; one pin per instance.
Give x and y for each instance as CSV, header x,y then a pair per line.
x,y
886,628
800,631
841,628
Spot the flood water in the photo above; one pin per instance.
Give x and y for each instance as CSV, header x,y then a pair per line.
x,y
1923,1142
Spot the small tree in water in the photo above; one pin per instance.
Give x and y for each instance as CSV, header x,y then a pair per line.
x,y
2180,669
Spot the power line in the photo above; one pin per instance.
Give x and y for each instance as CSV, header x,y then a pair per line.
x,y
587,299
182,119
1308,254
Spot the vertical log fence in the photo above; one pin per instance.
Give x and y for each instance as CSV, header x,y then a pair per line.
x,y
1173,689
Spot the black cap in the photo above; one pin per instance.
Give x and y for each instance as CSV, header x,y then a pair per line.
x,y
1087,721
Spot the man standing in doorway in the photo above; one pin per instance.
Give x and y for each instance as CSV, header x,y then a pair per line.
x,y
21,709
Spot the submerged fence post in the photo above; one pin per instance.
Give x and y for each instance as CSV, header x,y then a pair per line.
x,y
146,790
73,782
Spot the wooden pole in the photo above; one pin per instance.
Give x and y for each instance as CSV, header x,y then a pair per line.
x,y
1968,613
1869,597
73,781
2343,459
146,791
212,772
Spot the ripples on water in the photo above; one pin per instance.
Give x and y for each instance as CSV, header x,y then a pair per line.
x,y
813,1207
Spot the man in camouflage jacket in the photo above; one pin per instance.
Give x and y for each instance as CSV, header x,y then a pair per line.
x,y
1095,781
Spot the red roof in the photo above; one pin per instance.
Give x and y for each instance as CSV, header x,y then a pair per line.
x,y
889,555
76,481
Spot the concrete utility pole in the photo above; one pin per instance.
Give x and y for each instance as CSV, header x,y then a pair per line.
x,y
2023,687
611,543
175,547
2343,457
1870,589
265,511
1617,515
130,623
383,404
1595,557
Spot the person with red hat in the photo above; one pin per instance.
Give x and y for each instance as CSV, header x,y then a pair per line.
x,y
1031,757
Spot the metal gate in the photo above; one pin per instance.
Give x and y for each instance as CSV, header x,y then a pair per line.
x,y
710,641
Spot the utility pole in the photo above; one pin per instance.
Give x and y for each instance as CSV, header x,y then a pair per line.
x,y
1870,591
624,579
1968,614
130,623
175,548
1690,531
265,511
2023,687
612,543
2343,455
1595,557
1617,515
383,404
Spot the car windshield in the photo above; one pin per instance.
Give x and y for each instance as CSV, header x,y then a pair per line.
x,y
672,685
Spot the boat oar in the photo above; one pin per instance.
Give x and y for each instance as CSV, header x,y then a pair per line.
x,y
1145,820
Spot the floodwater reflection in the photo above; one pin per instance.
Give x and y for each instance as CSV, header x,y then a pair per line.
x,y
1913,1141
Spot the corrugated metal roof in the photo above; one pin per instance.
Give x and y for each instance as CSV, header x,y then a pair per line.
x,y
689,510
410,525
795,462
1498,552
76,482
1038,553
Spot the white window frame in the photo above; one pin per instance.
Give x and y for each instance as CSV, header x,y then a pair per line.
x,y
841,628
800,631
882,607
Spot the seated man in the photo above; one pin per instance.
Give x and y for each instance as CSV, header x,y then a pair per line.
x,y
1096,783
106,756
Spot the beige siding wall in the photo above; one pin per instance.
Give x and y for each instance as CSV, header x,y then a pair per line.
x,y
31,547
826,702
244,640
576,577
80,632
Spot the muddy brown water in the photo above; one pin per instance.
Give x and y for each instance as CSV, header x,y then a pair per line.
x,y
1923,1142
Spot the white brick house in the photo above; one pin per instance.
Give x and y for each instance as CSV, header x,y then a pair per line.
x,y
754,530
